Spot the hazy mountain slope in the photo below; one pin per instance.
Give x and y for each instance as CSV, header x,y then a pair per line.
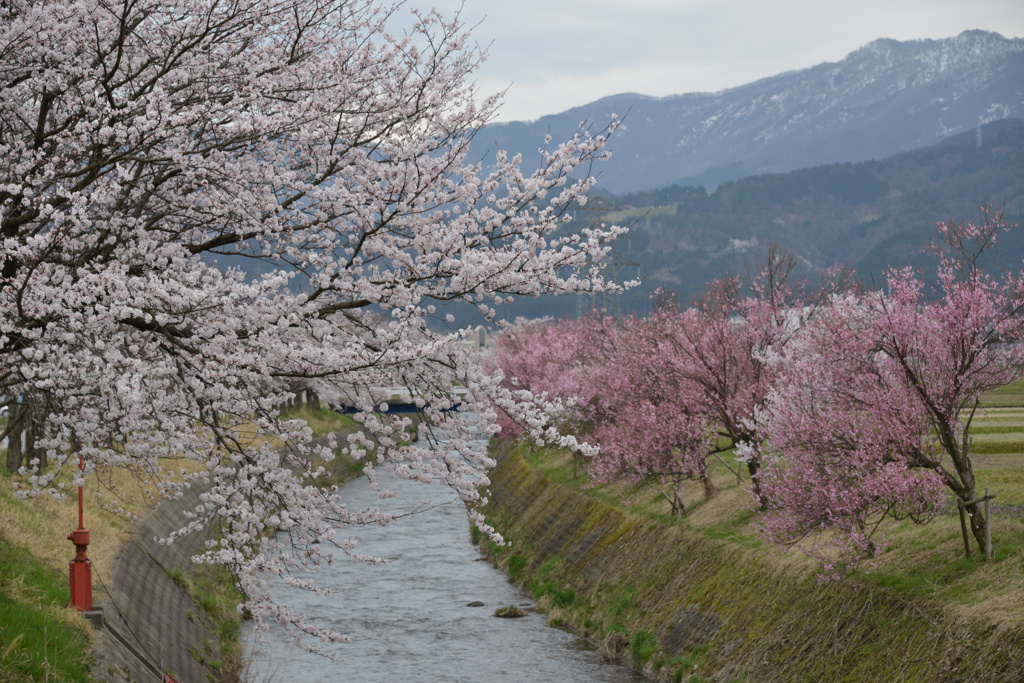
x,y
884,98
867,216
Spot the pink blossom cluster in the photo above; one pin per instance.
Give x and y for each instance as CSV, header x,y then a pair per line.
x,y
848,407
551,362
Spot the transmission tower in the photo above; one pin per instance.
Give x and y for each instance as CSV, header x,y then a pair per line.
x,y
614,268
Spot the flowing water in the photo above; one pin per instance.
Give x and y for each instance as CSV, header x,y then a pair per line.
x,y
410,620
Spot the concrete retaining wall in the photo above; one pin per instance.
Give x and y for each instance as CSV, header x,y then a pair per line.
x,y
151,626
723,612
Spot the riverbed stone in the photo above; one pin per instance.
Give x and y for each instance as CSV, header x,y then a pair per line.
x,y
510,612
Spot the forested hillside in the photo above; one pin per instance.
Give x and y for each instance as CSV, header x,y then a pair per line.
x,y
866,216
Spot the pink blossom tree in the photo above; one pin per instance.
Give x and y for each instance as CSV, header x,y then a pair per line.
x,y
647,414
141,142
618,384
724,344
872,415
841,431
559,366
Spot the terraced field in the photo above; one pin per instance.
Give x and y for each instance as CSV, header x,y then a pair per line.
x,y
998,447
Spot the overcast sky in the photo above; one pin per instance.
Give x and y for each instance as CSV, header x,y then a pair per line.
x,y
556,54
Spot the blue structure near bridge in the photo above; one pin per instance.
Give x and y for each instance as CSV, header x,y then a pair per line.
x,y
400,402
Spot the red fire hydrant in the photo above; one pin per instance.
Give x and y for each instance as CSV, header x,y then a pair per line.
x,y
81,566
81,571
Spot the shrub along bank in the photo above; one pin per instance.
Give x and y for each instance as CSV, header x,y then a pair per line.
x,y
683,606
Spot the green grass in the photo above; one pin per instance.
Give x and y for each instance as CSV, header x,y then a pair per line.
x,y
547,584
642,645
320,419
556,468
212,589
1012,395
731,530
617,605
996,447
680,666
925,583
1007,429
515,565
40,637
627,215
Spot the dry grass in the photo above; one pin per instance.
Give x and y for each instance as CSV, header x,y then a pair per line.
x,y
40,525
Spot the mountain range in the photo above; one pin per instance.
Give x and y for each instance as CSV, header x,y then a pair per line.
x,y
848,163
867,216
884,98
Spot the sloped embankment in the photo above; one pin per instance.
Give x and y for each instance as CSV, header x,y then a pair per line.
x,y
696,608
153,626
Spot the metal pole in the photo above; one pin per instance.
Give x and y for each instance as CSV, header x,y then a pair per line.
x,y
81,507
81,567
988,526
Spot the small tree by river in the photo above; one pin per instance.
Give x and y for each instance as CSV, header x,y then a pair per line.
x,y
871,415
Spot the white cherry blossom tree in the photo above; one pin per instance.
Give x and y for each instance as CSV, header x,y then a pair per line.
x,y
144,142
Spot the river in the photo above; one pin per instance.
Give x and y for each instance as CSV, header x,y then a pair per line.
x,y
410,621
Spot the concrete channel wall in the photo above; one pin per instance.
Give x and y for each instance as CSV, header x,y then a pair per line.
x,y
151,628
722,612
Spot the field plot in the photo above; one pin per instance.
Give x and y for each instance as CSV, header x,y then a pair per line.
x,y
997,442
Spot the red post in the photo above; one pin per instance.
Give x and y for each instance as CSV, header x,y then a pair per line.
x,y
81,566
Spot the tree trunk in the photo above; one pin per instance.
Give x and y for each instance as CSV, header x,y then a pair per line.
x,y
979,525
14,451
709,486
753,467
675,500
975,511
312,398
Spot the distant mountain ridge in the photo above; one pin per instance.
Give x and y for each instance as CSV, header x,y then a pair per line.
x,y
868,216
884,98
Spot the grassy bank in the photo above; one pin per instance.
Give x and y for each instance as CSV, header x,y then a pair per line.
x,y
41,637
703,598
